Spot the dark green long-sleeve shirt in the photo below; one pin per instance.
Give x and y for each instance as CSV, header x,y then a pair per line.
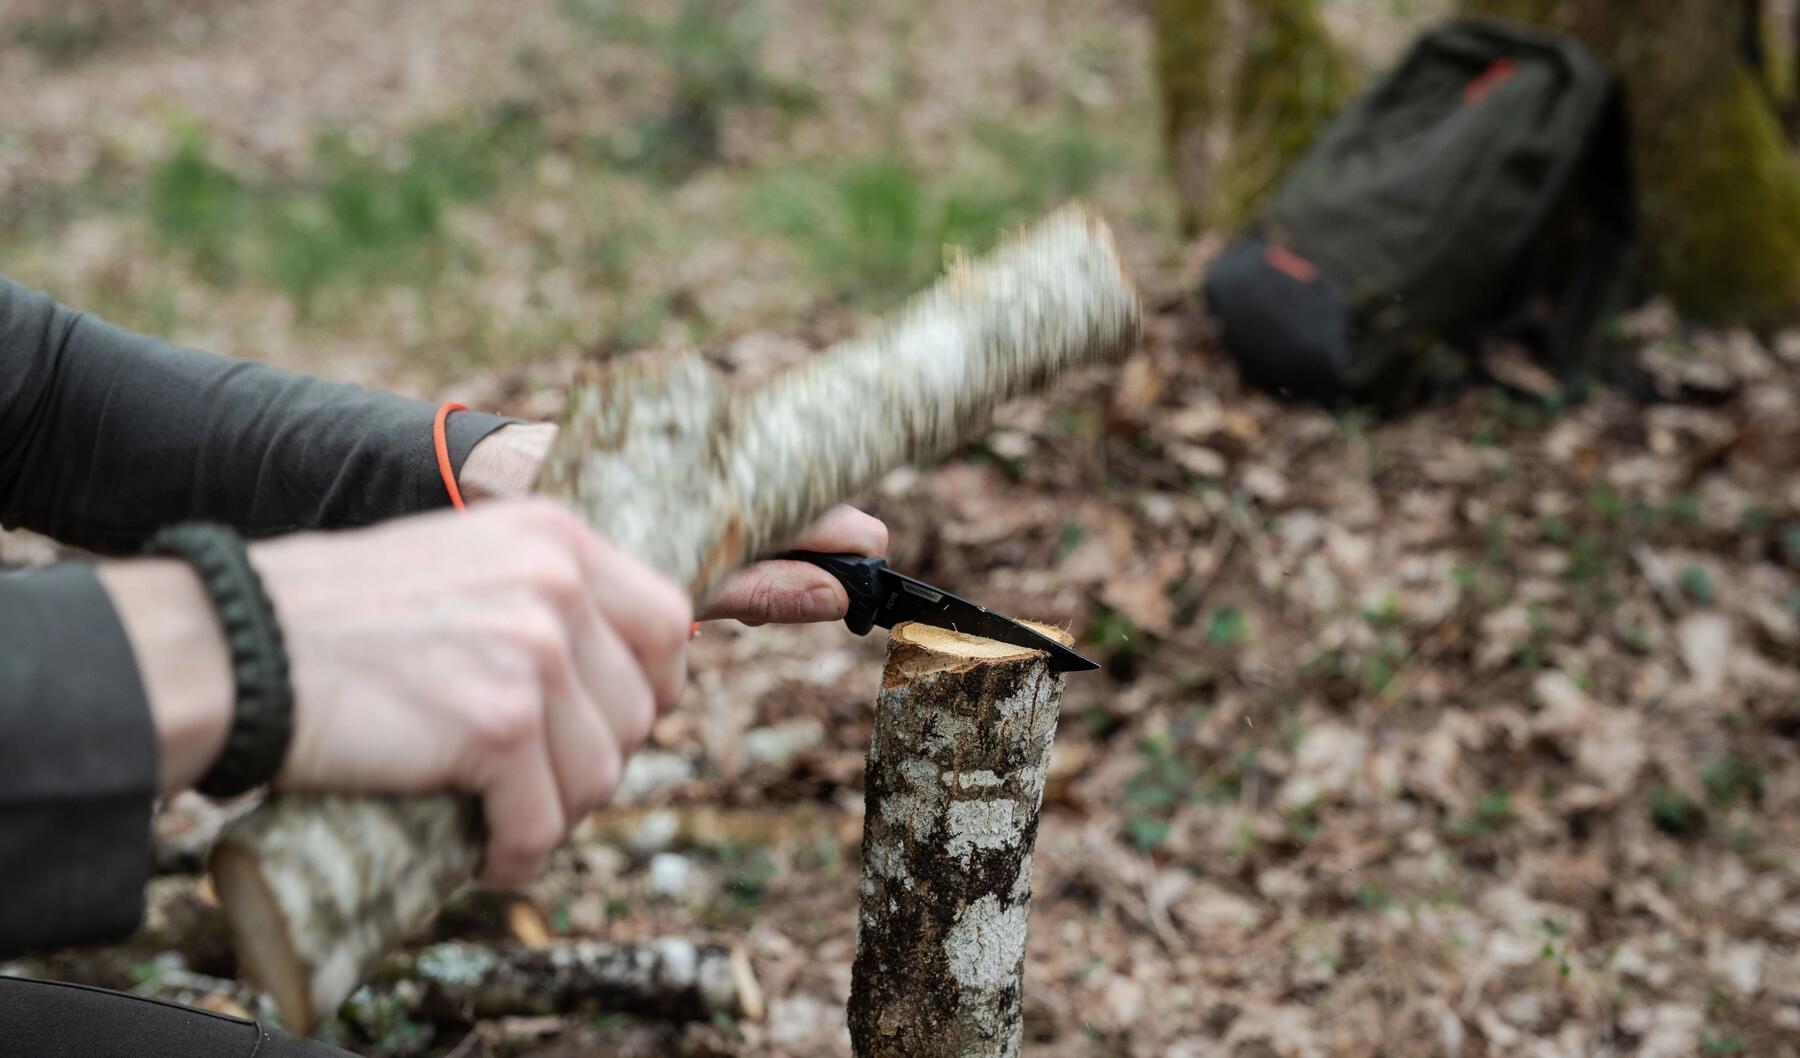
x,y
105,436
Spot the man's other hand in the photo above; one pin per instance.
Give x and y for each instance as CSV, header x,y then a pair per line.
x,y
787,592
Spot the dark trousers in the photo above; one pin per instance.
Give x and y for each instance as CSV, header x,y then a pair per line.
x,y
41,1019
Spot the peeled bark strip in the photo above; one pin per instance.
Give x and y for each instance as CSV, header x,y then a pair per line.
x,y
665,460
963,733
670,977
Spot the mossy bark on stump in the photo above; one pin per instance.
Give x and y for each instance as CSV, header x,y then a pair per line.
x,y
1719,183
1245,85
963,733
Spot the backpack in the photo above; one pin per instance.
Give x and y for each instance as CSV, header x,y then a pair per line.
x,y
1481,190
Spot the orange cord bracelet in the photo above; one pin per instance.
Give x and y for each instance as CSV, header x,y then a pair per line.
x,y
443,452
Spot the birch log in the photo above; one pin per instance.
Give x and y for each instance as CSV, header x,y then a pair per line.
x,y
665,460
963,732
669,977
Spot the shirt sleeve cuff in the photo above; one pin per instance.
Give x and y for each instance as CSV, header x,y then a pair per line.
x,y
78,764
465,429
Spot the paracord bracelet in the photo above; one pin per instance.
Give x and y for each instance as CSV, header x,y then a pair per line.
x,y
263,716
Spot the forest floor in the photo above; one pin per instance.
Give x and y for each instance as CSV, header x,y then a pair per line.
x,y
1467,733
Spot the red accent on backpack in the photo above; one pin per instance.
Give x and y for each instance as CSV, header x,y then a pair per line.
x,y
1290,263
1496,73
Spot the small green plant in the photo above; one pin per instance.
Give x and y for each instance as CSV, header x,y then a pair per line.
x,y
1723,1044
1606,503
1554,953
746,872
1684,509
1491,814
1163,782
1068,539
1696,584
1790,543
1675,813
1227,627
1302,823
1113,633
1730,778
1535,652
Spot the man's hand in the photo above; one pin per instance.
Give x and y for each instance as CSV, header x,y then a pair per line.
x,y
785,592
506,462
508,652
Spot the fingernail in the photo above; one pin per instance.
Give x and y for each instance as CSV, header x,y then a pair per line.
x,y
821,604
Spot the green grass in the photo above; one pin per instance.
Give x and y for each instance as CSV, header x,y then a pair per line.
x,y
357,216
875,229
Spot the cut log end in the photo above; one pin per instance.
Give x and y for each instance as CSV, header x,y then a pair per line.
x,y
916,650
266,955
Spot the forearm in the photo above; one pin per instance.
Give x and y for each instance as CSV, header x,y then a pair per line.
x,y
106,436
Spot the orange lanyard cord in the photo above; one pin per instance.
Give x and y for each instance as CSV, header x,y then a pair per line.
x,y
442,445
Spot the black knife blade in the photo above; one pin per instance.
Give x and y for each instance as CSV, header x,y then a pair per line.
x,y
883,596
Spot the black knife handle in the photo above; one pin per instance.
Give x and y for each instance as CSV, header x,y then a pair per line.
x,y
861,577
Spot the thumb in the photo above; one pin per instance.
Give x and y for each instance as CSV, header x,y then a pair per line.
x,y
779,592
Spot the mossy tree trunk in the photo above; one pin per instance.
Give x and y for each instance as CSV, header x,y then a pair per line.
x,y
1245,85
1719,181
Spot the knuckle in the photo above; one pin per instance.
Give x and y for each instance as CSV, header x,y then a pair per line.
x,y
636,715
763,601
511,720
598,782
534,839
540,636
676,621
556,578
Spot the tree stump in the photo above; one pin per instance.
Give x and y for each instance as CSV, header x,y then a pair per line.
x,y
963,732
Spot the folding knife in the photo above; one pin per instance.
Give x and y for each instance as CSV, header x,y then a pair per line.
x,y
882,596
